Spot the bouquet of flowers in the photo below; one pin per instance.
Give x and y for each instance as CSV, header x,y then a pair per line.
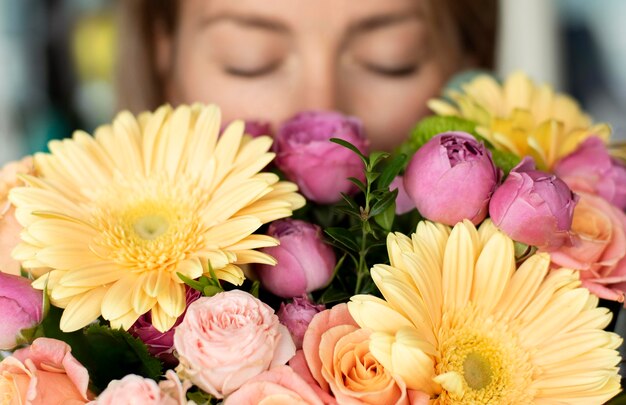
x,y
155,261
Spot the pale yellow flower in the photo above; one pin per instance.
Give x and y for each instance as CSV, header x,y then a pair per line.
x,y
118,215
462,324
522,117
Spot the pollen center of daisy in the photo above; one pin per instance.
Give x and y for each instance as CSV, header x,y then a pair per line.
x,y
150,227
477,371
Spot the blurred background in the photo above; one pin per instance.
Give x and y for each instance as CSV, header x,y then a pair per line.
x,y
57,60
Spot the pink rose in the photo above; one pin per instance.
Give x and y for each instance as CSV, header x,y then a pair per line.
x,y
533,207
45,373
134,389
338,357
305,262
280,385
404,203
591,169
451,178
297,315
321,168
599,247
227,339
9,227
21,307
161,344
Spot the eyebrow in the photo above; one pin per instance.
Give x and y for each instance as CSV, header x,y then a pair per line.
x,y
382,21
250,21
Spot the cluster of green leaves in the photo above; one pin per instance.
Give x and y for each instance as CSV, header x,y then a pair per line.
x,y
369,218
434,125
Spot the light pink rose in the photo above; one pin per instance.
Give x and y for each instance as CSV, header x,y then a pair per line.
x,y
9,227
280,385
134,389
45,373
227,339
598,247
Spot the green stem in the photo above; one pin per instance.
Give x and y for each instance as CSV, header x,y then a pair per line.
x,y
362,269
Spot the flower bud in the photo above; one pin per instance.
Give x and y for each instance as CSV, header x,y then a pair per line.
x,y
321,168
590,169
533,207
297,315
305,262
21,307
451,178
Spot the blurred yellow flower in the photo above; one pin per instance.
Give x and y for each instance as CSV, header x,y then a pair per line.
x,y
118,215
522,117
462,324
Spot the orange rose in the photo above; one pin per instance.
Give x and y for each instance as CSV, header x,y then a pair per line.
x,y
338,357
44,373
598,247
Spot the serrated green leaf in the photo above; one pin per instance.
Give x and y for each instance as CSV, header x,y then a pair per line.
x,y
350,146
390,171
382,204
116,353
344,237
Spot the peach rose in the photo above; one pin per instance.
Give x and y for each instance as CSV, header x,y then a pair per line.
x,y
227,339
134,389
280,385
45,373
9,227
337,354
598,247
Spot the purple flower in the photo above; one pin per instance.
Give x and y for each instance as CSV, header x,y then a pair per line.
x,y
161,344
451,178
21,307
304,262
297,315
591,169
533,207
320,167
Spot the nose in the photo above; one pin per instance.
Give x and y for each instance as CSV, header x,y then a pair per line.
x,y
317,84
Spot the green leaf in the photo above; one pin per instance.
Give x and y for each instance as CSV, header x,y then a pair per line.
x,y
350,146
385,218
350,201
371,176
382,204
334,295
505,160
115,354
358,183
199,397
375,158
211,290
196,285
344,237
434,125
254,290
392,169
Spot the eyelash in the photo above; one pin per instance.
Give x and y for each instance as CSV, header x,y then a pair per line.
x,y
251,73
400,72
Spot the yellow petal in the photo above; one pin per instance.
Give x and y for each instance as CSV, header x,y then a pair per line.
x,y
82,310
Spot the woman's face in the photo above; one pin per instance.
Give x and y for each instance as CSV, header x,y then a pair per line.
x,y
268,60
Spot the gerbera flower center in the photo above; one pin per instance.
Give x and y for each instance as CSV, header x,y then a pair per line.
x,y
481,361
150,227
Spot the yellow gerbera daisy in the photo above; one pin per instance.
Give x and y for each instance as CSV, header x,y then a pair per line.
x,y
460,323
118,215
521,117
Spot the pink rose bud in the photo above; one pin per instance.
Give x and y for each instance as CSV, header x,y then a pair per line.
x,y
161,344
21,307
297,315
591,169
533,207
320,167
404,203
451,178
305,262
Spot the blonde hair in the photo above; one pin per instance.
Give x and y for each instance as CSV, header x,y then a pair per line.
x,y
140,85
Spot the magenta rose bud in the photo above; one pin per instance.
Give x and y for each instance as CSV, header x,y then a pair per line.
x,y
297,315
320,167
591,169
161,344
451,178
305,262
533,207
21,307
